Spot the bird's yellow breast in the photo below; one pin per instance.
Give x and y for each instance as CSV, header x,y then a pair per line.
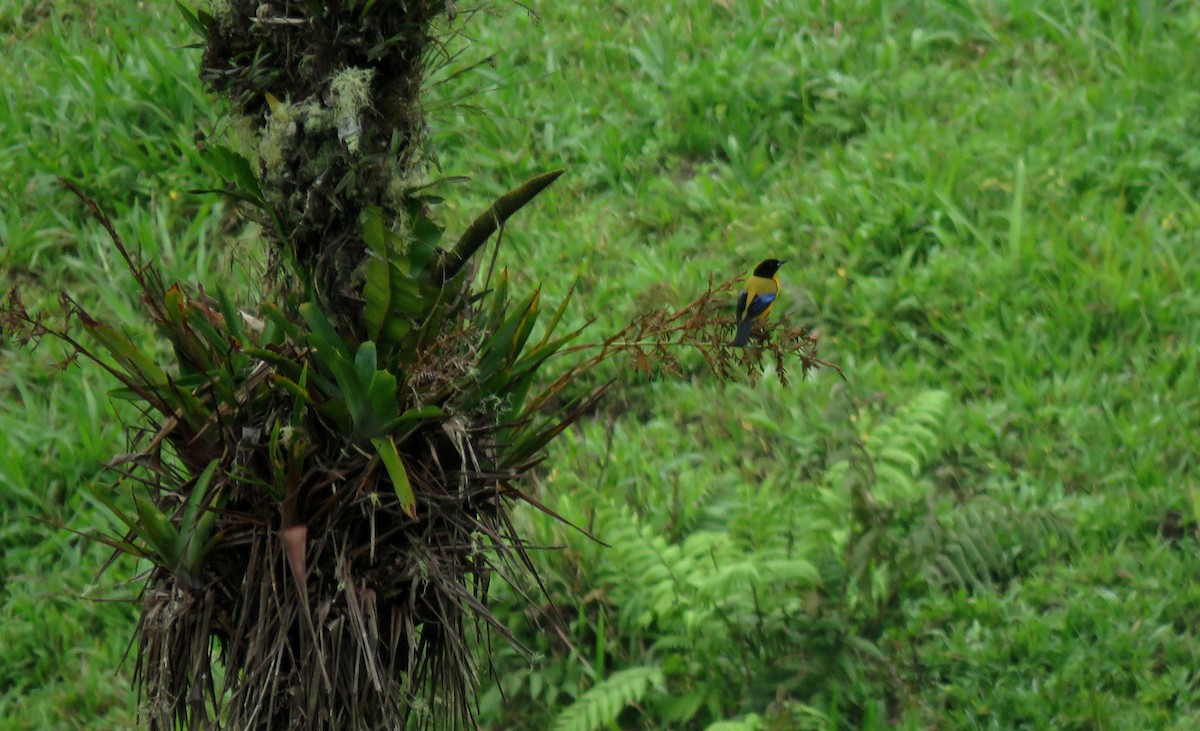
x,y
757,287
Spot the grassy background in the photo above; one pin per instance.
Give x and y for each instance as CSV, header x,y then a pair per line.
x,y
992,200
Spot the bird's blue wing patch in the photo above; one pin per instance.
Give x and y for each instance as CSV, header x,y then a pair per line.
x,y
758,305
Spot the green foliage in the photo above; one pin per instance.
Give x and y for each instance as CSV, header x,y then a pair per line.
x,y
981,544
239,173
392,291
152,534
885,468
752,722
601,704
775,591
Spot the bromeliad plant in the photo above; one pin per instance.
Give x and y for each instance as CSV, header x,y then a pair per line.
x,y
329,512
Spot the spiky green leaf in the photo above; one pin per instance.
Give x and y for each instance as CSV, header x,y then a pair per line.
x,y
385,447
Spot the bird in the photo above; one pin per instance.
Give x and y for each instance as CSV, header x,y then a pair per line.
x,y
757,298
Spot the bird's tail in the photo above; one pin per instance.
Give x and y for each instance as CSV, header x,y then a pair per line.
x,y
743,332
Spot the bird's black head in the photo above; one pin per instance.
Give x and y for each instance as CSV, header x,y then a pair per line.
x,y
767,268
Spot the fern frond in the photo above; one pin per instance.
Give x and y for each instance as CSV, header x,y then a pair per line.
x,y
982,543
600,705
903,445
752,722
641,567
897,452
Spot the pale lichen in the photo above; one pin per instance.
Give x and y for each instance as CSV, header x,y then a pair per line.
x,y
277,137
349,94
222,11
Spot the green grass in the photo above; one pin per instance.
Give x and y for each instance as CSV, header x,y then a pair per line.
x,y
995,200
